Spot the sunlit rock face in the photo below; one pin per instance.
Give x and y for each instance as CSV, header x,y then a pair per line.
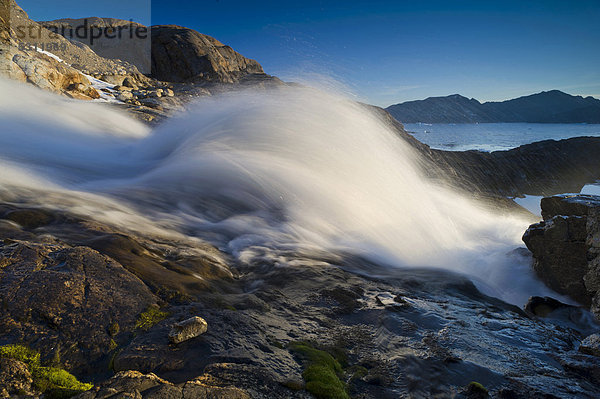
x,y
181,54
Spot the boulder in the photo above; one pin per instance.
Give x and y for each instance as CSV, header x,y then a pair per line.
x,y
125,96
188,329
180,55
591,345
566,245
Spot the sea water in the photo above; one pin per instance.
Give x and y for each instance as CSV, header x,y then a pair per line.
x,y
495,136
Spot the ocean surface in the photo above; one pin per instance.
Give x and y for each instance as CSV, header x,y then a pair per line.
x,y
495,136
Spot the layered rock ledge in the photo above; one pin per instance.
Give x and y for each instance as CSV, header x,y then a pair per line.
x,y
566,247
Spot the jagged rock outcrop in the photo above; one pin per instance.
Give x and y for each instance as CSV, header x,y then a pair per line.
x,y
552,106
47,73
566,247
129,42
133,384
30,53
181,55
22,30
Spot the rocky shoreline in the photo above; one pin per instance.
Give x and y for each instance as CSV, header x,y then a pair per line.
x,y
104,301
90,310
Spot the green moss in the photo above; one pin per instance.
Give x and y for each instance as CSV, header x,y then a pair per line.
x,y
113,329
323,382
111,363
477,387
54,382
321,374
315,356
152,316
112,345
55,378
22,353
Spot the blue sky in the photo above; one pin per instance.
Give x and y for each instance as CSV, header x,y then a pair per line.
x,y
385,52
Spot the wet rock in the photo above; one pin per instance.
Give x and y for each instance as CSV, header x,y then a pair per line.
x,y
347,299
133,384
566,245
188,329
591,345
476,391
29,218
544,306
58,298
15,378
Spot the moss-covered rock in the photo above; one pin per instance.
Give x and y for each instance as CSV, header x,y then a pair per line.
x,y
54,382
321,373
152,316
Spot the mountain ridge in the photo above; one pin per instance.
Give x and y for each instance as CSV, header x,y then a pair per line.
x,y
552,106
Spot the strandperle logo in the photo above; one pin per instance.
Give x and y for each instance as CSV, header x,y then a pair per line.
x,y
85,32
121,40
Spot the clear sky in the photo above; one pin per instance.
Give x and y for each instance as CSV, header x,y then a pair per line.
x,y
386,52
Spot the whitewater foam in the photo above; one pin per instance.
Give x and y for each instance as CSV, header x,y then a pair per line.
x,y
289,168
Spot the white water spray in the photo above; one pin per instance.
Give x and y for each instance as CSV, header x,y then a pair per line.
x,y
287,168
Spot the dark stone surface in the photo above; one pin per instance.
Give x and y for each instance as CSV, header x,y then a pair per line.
x,y
565,247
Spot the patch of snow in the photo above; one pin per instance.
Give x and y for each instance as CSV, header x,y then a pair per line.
x,y
101,87
49,54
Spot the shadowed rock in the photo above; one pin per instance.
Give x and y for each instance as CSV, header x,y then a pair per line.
x,y
566,245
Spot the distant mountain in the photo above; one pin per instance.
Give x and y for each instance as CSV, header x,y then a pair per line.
x,y
546,107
